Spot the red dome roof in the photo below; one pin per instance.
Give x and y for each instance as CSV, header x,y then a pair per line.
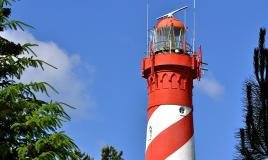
x,y
169,21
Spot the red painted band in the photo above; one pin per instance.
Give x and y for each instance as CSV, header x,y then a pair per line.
x,y
171,139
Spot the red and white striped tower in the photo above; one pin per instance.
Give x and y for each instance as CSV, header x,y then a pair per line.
x,y
170,69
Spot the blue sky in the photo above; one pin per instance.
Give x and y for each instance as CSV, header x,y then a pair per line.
x,y
98,47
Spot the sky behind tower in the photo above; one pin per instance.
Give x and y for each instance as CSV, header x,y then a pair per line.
x,y
98,47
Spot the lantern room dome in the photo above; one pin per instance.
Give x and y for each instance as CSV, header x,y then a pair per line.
x,y
169,21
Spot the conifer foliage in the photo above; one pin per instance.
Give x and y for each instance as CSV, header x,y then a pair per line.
x,y
110,153
83,156
107,153
253,138
29,127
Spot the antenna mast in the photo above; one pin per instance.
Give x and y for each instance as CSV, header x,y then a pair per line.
x,y
147,28
194,30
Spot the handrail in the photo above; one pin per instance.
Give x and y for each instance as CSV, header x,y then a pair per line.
x,y
168,46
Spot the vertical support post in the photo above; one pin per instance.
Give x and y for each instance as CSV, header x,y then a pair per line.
x,y
194,29
147,28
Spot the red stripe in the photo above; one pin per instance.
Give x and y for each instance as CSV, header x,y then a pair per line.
x,y
151,111
171,139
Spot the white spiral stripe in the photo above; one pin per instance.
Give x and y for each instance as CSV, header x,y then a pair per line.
x,y
163,117
186,152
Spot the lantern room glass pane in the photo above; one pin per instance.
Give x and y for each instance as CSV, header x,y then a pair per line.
x,y
168,39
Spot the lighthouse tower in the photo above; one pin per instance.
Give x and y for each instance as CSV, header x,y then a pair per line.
x,y
170,68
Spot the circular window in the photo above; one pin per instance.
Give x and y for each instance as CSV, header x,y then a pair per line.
x,y
182,110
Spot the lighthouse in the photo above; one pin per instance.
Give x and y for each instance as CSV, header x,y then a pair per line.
x,y
170,68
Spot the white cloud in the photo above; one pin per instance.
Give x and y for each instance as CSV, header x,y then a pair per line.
x,y
210,86
73,87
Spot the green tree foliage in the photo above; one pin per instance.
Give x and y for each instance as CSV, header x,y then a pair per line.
x,y
107,153
253,138
29,127
110,153
83,156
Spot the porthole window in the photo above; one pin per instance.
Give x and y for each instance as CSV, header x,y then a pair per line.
x,y
182,110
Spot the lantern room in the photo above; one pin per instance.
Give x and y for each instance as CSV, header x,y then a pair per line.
x,y
168,36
